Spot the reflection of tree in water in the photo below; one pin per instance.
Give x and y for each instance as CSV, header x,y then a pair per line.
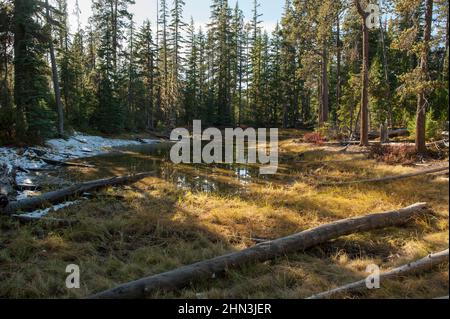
x,y
223,178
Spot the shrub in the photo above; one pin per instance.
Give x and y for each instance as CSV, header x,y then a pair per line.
x,y
314,138
394,154
433,127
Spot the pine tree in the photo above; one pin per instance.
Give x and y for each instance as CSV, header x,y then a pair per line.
x,y
146,61
238,64
191,92
176,29
31,91
164,99
7,111
111,18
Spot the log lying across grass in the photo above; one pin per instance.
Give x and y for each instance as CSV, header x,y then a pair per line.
x,y
186,275
420,265
75,190
387,178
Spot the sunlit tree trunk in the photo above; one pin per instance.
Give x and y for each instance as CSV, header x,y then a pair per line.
x,y
421,98
364,134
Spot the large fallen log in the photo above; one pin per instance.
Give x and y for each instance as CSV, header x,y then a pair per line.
x,y
67,164
182,277
420,265
387,178
75,190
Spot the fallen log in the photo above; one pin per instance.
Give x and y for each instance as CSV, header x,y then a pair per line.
x,y
67,164
27,187
391,133
140,140
182,277
79,140
387,178
420,265
75,190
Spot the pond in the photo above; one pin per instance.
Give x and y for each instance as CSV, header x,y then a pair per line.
x,y
223,178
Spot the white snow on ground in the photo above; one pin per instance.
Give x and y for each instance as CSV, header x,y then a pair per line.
x,y
77,146
37,214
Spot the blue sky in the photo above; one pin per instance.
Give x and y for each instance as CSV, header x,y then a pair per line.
x,y
198,9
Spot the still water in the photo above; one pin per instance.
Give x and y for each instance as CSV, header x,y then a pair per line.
x,y
223,178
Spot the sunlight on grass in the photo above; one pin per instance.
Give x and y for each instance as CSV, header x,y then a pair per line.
x,y
155,226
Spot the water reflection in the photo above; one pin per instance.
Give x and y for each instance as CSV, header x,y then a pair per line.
x,y
210,178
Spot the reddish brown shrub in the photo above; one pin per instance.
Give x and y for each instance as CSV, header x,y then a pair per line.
x,y
314,138
394,154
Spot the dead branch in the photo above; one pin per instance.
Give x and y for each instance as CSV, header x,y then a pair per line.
x,y
420,265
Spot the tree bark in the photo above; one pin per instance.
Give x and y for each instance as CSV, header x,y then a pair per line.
x,y
324,92
55,76
420,265
183,276
364,135
338,62
422,102
75,190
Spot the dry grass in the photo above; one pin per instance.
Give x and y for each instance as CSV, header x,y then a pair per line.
x,y
159,227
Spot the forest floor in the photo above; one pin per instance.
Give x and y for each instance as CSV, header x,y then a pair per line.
x,y
155,226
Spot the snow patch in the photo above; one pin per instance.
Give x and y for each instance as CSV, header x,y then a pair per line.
x,y
37,214
76,147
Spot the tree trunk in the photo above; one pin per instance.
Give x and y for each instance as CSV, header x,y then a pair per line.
x,y
324,92
422,102
338,62
181,277
364,136
420,265
55,76
75,190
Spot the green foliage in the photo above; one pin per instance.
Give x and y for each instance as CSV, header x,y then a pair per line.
x,y
115,76
433,127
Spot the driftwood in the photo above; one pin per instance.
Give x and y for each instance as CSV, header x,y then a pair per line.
x,y
60,163
182,277
388,178
420,265
75,190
